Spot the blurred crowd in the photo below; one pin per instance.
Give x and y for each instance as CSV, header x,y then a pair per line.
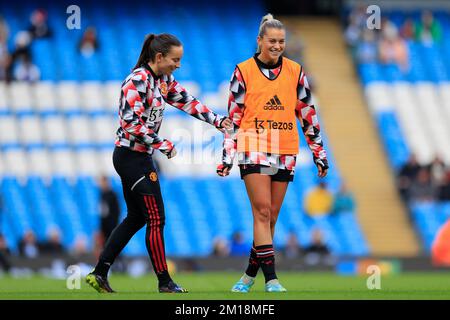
x,y
424,182
29,247
17,63
321,201
389,43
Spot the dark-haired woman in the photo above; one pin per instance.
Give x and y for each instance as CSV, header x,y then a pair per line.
x,y
267,93
143,96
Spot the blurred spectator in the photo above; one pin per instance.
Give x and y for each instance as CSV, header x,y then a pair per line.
x,y
406,176
444,190
38,24
356,23
295,45
438,171
25,70
429,30
28,246
292,248
343,200
358,15
4,254
220,247
407,30
422,189
317,251
53,244
317,244
318,201
88,43
366,50
80,246
109,212
22,41
392,49
4,53
238,246
352,32
387,27
109,208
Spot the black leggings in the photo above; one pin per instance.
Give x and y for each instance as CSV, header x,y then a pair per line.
x,y
141,189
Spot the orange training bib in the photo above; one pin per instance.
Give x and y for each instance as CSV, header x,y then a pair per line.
x,y
269,122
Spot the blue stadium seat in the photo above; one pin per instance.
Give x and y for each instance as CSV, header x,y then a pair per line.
x,y
393,139
41,207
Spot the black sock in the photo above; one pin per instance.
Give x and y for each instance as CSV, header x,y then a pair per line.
x,y
102,268
266,258
253,265
163,278
116,242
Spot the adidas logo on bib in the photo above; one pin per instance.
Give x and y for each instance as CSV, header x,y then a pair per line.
x,y
274,104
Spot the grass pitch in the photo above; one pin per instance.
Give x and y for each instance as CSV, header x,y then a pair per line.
x,y
216,285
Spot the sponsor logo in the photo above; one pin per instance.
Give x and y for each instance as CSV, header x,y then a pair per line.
x,y
261,125
163,88
274,104
153,176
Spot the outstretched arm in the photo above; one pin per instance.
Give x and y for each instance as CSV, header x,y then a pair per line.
x,y
181,99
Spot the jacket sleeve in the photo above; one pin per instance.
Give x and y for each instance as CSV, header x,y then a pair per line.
x,y
306,113
235,113
182,100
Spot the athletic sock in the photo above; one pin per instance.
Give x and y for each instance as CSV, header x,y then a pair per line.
x,y
273,281
253,265
266,259
163,278
246,278
102,268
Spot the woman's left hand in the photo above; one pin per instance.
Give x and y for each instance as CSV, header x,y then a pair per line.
x,y
322,172
226,123
322,167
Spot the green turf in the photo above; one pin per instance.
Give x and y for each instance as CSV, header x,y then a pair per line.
x,y
217,285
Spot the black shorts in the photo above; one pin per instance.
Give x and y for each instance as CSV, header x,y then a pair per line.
x,y
282,175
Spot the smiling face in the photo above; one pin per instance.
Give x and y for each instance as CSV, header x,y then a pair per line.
x,y
170,62
272,45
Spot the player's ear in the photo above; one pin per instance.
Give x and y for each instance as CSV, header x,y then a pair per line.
x,y
258,41
158,57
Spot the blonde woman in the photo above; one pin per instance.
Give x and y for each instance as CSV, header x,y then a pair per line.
x,y
267,93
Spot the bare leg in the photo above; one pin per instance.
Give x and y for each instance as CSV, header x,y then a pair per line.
x,y
258,190
279,189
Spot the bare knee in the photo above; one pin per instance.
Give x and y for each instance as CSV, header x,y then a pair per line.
x,y
262,211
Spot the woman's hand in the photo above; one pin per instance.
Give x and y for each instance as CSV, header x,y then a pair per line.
x,y
223,170
168,149
225,123
322,167
321,171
